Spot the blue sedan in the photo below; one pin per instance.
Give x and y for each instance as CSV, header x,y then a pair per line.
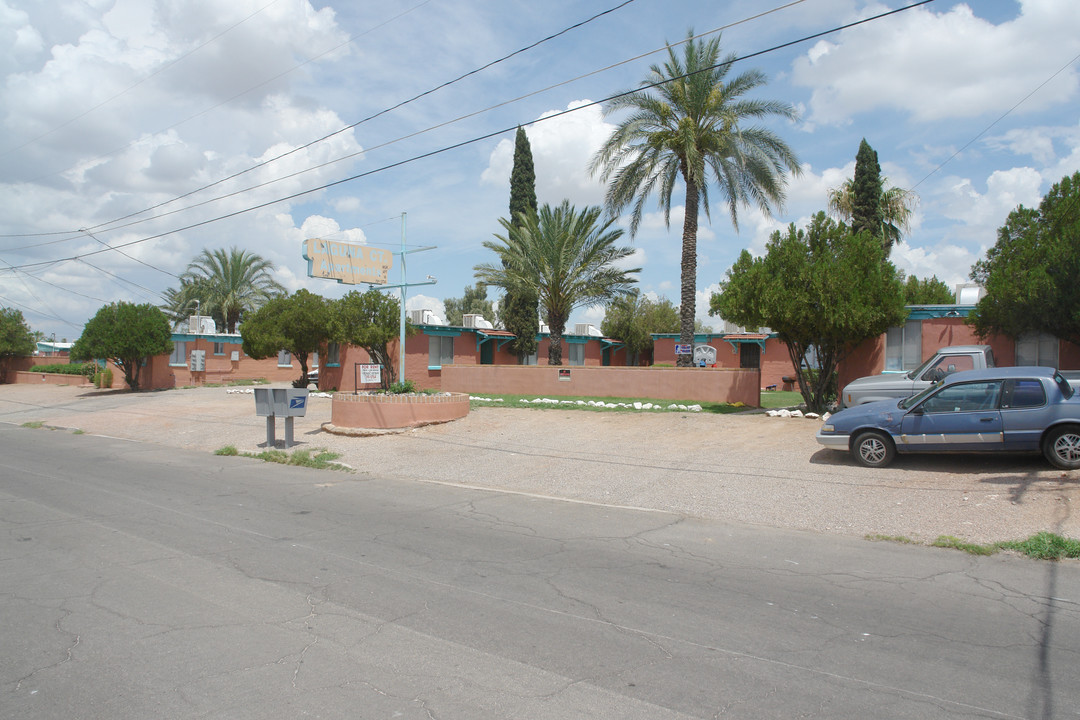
x,y
1018,409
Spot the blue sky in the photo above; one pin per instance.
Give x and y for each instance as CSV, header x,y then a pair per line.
x,y
110,107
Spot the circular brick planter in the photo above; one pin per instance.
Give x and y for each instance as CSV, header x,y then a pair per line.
x,y
383,412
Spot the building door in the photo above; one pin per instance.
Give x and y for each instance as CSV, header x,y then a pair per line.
x,y
749,355
606,357
487,354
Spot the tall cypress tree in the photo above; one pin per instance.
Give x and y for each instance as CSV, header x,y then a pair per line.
x,y
866,211
519,305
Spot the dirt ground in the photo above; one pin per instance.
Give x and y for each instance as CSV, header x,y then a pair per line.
x,y
746,468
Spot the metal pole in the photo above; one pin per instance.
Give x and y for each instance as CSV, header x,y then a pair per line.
x,y
401,331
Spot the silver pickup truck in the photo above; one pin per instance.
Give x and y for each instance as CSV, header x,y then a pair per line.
x,y
947,360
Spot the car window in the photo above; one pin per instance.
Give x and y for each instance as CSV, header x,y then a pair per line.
x,y
918,397
947,365
1022,394
1064,385
965,397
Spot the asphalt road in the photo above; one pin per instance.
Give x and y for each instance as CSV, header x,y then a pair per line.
x,y
141,582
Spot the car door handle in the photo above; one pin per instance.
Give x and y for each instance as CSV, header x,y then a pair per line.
x,y
989,419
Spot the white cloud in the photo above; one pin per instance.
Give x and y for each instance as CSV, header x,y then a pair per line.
x,y
935,65
561,148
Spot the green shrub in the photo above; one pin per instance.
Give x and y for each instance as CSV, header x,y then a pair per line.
x,y
85,369
106,378
402,387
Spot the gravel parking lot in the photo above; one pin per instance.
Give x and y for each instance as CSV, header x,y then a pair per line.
x,y
742,468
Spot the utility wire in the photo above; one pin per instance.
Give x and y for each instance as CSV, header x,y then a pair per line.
x,y
496,133
347,127
101,227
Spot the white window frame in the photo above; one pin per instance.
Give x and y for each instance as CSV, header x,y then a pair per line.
x,y
333,355
440,351
1037,349
178,358
218,345
903,347
575,354
284,358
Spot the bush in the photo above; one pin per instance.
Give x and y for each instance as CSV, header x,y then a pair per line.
x,y
105,378
85,369
402,387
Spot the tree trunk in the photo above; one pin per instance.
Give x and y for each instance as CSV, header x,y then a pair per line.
x,y
556,326
688,308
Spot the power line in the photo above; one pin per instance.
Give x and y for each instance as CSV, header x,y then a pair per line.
x,y
489,135
101,226
417,133
995,122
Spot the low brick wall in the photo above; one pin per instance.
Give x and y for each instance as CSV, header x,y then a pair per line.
x,y
698,384
396,411
26,377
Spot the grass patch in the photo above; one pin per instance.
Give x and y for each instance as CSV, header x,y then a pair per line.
x,y
77,431
34,424
1045,546
317,458
256,381
572,404
772,399
1041,546
903,540
948,541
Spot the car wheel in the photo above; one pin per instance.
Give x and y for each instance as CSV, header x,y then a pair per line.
x,y
1062,447
873,449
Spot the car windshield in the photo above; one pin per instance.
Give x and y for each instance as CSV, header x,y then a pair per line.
x,y
917,372
918,398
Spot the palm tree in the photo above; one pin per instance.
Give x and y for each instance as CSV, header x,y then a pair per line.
x,y
569,258
229,284
688,124
897,207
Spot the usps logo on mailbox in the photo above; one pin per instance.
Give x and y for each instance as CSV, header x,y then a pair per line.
x,y
297,403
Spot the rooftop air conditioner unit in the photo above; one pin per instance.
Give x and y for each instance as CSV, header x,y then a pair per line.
x,y
582,328
969,293
416,317
469,321
193,324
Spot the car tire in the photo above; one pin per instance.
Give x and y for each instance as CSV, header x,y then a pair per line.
x,y
1062,447
873,449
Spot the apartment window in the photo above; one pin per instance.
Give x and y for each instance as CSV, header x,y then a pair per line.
x,y
333,354
903,346
314,360
576,354
284,359
219,348
530,359
440,351
1037,349
179,353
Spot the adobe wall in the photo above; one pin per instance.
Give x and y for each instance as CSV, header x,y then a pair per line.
x,y
395,411
694,384
775,361
29,377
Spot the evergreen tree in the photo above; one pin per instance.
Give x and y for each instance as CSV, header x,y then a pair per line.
x,y
518,309
866,206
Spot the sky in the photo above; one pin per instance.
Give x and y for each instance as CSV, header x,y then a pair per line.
x,y
137,133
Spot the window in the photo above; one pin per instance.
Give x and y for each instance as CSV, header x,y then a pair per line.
x,y
333,354
219,348
529,359
179,353
314,360
576,354
1037,349
440,351
1023,394
903,346
284,359
968,397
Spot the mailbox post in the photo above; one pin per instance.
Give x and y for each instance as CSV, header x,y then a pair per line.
x,y
273,403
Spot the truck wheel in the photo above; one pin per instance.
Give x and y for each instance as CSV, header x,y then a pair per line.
x,y
873,449
1062,447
